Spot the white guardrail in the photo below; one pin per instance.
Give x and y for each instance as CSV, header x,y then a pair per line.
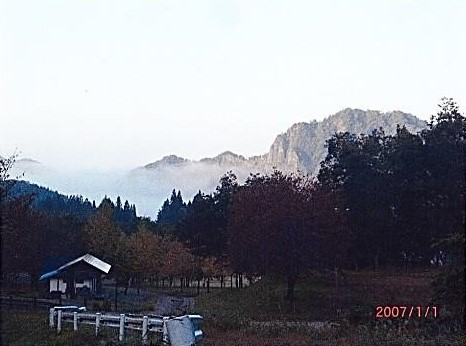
x,y
176,331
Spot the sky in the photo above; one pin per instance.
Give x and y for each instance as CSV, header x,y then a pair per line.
x,y
106,84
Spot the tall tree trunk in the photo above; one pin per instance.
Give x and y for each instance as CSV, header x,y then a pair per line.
x,y
336,276
356,265
290,289
336,272
126,285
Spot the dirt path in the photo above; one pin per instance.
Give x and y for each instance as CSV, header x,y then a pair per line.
x,y
169,305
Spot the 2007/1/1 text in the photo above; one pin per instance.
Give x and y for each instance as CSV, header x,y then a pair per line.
x,y
404,311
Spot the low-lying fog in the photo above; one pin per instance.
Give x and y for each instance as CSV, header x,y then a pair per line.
x,y
147,188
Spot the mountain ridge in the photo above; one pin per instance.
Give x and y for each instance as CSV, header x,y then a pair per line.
x,y
302,146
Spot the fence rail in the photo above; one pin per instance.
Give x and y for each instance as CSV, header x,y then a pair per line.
x,y
21,302
145,324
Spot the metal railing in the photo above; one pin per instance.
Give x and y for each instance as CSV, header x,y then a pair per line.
x,y
145,324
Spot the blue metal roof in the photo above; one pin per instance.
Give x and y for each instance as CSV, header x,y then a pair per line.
x,y
49,275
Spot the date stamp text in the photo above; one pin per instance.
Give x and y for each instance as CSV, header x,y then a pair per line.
x,y
404,311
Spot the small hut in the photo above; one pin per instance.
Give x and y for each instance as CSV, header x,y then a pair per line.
x,y
82,275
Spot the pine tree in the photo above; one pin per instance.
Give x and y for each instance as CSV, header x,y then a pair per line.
x,y
173,210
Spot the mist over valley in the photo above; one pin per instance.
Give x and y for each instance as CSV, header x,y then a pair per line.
x,y
300,148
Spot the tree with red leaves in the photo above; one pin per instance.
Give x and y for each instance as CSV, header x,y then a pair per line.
x,y
278,225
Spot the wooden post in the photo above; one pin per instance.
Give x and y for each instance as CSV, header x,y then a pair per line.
x,y
116,294
75,320
52,318
122,327
59,312
145,322
97,323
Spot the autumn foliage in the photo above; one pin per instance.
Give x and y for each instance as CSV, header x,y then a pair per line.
x,y
284,225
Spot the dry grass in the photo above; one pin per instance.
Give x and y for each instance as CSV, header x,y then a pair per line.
x,y
30,328
236,317
351,306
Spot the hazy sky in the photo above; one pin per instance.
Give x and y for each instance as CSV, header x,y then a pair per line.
x,y
114,83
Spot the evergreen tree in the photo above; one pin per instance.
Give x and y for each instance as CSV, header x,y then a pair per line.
x,y
445,141
205,226
198,229
173,210
354,168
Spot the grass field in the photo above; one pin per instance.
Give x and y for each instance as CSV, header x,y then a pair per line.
x,y
259,315
239,317
30,327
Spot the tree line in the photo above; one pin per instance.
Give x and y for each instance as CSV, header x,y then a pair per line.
x,y
379,201
403,194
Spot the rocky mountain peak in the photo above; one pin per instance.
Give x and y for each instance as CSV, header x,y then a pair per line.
x,y
226,157
302,146
170,160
